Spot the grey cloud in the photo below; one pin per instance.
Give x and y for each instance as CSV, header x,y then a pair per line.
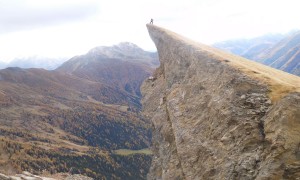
x,y
16,17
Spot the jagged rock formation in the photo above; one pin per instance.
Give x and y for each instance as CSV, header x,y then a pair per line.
x,y
220,116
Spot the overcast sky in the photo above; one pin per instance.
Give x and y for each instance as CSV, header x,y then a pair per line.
x,y
64,28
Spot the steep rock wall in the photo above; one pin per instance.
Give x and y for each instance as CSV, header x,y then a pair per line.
x,y
219,116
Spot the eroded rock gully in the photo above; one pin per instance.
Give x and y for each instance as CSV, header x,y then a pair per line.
x,y
213,119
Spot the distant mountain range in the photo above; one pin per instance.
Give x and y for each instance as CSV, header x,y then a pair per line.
x,y
125,51
34,62
76,116
249,47
278,51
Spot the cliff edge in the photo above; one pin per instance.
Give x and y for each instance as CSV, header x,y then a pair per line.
x,y
220,116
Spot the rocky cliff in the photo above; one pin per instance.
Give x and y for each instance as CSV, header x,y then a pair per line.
x,y
220,116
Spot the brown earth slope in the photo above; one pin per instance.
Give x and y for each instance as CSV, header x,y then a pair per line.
x,y
220,116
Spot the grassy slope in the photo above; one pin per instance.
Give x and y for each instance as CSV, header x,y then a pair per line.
x,y
126,152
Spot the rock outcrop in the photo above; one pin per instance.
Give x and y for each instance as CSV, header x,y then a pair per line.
x,y
28,176
25,175
220,116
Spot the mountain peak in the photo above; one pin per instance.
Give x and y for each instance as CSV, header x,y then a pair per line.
x,y
123,66
124,48
124,51
128,45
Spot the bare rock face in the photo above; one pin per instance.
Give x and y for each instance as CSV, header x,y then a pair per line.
x,y
219,116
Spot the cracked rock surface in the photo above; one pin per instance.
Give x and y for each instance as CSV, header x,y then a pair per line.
x,y
213,119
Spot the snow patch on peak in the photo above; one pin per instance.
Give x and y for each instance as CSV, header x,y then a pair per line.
x,y
128,45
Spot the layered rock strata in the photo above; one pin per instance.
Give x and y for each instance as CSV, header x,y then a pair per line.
x,y
220,116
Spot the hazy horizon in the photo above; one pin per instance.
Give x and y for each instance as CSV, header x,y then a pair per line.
x,y
72,27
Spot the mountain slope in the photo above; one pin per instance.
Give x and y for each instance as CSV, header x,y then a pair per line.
x,y
219,116
66,120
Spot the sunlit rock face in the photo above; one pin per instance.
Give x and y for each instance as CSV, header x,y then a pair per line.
x,y
220,116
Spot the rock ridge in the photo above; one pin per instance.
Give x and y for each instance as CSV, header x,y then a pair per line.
x,y
219,116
